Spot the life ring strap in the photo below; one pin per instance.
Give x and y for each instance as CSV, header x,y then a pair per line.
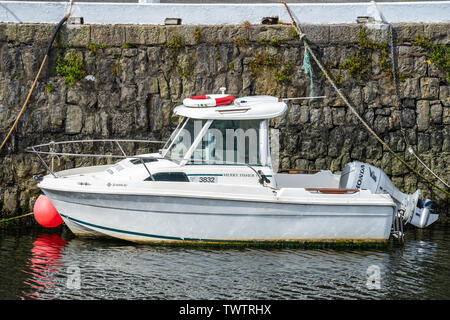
x,y
198,97
224,100
217,101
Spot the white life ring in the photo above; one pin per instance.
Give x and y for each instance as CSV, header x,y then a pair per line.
x,y
210,100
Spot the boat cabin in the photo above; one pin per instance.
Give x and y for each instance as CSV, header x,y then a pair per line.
x,y
234,134
223,142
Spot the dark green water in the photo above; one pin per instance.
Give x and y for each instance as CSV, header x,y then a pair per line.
x,y
40,264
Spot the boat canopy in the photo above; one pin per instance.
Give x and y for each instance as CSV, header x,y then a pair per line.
x,y
245,108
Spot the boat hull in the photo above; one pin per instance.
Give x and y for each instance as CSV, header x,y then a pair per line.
x,y
156,218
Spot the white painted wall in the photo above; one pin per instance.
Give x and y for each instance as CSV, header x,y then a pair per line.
x,y
155,13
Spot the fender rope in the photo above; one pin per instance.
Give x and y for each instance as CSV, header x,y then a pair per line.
x,y
333,84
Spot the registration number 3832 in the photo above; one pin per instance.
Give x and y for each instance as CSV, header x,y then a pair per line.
x,y
207,179
203,179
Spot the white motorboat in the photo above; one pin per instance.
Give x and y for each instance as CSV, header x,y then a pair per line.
x,y
214,182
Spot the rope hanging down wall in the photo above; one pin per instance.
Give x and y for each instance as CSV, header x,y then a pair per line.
x,y
302,36
44,60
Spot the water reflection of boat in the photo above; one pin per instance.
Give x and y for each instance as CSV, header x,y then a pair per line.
x,y
214,182
45,261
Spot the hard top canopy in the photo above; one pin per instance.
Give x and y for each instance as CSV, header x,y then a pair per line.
x,y
245,108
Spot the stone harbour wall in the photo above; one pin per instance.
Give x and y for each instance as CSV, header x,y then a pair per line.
x,y
123,81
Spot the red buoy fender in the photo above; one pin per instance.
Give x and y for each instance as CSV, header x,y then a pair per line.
x,y
45,213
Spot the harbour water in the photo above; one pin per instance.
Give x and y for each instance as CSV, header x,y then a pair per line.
x,y
45,264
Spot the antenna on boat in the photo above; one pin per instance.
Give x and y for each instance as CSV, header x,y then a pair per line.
x,y
239,101
302,98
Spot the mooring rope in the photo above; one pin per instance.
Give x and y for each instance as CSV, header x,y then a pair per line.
x,y
410,149
44,60
17,217
333,84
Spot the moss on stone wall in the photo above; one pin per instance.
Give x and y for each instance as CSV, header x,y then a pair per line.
x,y
438,53
70,67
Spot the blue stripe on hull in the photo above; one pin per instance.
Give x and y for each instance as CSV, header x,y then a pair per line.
x,y
154,236
299,242
125,231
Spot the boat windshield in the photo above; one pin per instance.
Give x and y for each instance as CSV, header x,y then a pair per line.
x,y
174,135
217,142
183,139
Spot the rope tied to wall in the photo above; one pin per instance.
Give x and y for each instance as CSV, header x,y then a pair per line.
x,y
16,217
341,95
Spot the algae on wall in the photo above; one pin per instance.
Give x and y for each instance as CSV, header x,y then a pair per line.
x,y
123,81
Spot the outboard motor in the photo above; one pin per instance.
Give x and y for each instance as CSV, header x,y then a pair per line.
x,y
359,175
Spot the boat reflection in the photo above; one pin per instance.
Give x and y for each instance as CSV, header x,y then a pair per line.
x,y
45,260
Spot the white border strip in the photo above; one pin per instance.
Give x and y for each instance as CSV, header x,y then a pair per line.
x,y
213,14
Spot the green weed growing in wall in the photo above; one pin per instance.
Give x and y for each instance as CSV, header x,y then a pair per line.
x,y
48,87
197,34
93,47
358,64
176,42
284,74
439,54
70,68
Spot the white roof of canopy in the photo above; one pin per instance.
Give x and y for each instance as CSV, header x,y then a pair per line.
x,y
245,108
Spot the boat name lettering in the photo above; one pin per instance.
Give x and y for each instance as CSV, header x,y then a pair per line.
x,y
238,174
109,184
360,177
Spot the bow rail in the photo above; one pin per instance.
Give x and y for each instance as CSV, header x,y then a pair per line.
x,y
50,145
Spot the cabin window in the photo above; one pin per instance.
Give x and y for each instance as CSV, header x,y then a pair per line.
x,y
220,142
229,142
169,176
145,160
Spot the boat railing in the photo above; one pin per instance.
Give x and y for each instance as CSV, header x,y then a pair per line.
x,y
37,149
